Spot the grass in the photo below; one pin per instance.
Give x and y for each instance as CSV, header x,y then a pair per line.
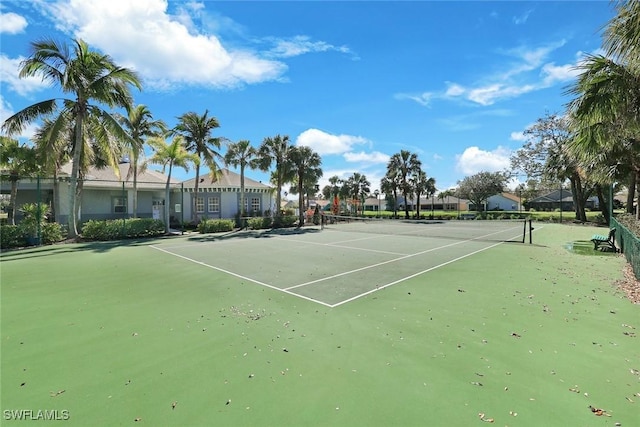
x,y
125,331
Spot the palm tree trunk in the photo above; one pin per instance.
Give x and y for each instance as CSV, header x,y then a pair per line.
x,y
75,167
194,202
12,201
406,205
135,185
166,200
242,213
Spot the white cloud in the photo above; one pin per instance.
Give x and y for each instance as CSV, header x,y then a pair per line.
x,y
362,157
522,19
6,111
488,95
12,23
518,136
517,79
558,73
326,143
474,160
299,45
162,48
454,89
9,71
423,99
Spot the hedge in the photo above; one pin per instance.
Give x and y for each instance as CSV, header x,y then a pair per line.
x,y
122,229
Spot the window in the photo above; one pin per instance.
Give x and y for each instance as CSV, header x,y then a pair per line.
x,y
119,205
200,204
255,204
214,204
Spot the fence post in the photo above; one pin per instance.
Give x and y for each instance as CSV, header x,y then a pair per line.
x,y
39,211
124,211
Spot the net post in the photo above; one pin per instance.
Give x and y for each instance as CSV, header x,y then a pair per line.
x,y
524,230
530,230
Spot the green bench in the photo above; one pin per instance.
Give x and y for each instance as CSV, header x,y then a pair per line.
x,y
606,241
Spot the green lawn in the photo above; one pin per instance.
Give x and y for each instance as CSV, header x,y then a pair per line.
x,y
112,333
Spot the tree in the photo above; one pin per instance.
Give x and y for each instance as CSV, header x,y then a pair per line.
x,y
16,162
305,164
140,125
90,77
606,117
389,186
622,32
241,154
357,187
422,185
169,155
196,131
276,150
403,165
479,187
546,156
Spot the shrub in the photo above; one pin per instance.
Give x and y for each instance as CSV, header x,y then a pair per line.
x,y
11,236
629,221
115,229
259,223
215,225
51,232
285,221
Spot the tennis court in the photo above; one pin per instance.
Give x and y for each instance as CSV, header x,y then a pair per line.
x,y
348,257
312,327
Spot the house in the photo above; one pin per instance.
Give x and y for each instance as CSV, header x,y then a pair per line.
x,y
504,202
221,198
105,195
557,198
448,203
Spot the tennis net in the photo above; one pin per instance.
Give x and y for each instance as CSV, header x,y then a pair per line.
x,y
507,230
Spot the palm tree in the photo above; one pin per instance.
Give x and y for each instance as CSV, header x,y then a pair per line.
x,y
622,32
403,165
357,187
332,191
241,154
389,186
196,131
422,185
605,113
89,77
305,164
16,161
276,149
140,125
170,155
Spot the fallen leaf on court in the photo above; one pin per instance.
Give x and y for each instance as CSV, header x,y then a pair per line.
x,y
56,393
174,404
598,412
137,419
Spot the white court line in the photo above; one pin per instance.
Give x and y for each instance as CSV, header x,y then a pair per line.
x,y
373,265
413,275
287,290
238,275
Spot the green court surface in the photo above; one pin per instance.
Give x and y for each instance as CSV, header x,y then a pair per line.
x,y
325,328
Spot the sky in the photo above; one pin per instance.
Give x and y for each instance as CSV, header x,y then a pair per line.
x,y
456,82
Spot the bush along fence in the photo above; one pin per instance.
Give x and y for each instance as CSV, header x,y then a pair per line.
x,y
628,241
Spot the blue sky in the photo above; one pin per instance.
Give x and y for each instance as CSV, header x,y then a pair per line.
x,y
455,82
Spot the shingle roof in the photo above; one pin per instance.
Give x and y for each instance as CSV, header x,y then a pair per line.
x,y
227,179
106,177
